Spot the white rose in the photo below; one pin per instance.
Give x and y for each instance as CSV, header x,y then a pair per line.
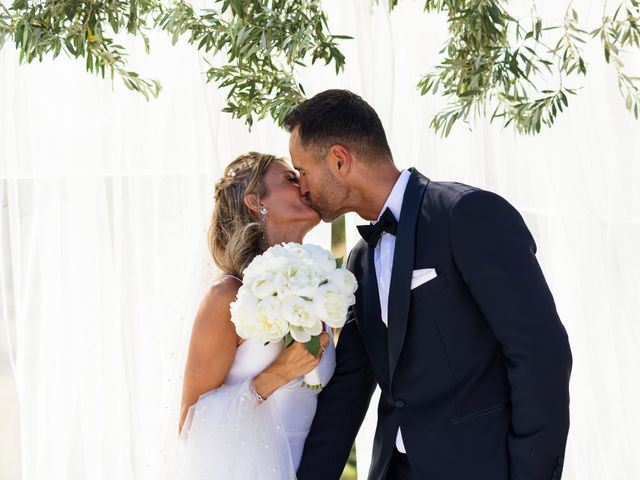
x,y
315,329
297,280
271,261
295,252
304,334
275,263
243,312
276,251
299,334
344,280
253,269
322,257
331,305
270,326
299,312
264,285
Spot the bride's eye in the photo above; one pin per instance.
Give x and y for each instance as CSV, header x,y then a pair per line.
x,y
293,178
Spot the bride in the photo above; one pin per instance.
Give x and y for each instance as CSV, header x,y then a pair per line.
x,y
245,413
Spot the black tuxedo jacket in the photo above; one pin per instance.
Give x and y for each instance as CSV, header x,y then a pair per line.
x,y
474,366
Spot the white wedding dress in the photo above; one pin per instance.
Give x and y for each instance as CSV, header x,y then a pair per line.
x,y
229,435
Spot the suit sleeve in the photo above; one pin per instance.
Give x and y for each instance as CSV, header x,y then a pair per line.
x,y
342,406
495,253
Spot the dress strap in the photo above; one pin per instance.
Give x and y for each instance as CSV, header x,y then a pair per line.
x,y
232,276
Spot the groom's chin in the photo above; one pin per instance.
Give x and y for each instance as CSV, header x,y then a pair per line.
x,y
329,217
326,215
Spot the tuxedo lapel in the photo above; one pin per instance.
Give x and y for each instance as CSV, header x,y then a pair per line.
x,y
403,260
373,330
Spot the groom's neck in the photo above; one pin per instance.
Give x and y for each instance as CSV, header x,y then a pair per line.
x,y
373,189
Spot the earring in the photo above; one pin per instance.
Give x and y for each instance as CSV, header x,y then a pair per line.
x,y
263,210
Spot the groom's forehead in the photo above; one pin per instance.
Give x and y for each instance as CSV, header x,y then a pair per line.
x,y
295,142
294,137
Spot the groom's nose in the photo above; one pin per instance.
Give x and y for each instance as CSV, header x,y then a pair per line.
x,y
304,189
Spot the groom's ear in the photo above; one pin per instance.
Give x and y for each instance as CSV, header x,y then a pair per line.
x,y
340,160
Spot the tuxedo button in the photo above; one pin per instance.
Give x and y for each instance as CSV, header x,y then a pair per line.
x,y
399,403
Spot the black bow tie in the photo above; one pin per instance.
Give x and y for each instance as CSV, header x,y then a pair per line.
x,y
372,233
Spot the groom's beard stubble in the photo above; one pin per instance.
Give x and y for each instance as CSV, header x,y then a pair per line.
x,y
330,201
327,215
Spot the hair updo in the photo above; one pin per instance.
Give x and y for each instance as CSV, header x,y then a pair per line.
x,y
236,235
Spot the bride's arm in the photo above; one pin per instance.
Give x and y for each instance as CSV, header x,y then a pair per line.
x,y
213,344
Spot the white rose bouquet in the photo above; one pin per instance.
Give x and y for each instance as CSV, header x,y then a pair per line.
x,y
288,292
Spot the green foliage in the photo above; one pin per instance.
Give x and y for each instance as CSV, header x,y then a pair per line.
x,y
313,345
339,240
519,71
617,32
493,61
261,42
288,340
82,29
350,471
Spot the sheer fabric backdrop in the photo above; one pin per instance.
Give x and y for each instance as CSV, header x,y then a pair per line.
x,y
106,201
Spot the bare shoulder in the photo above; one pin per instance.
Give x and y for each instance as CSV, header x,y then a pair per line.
x,y
213,313
223,289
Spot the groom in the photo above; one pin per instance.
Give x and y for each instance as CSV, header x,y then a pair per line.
x,y
454,319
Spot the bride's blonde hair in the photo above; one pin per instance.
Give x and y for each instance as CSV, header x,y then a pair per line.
x,y
236,234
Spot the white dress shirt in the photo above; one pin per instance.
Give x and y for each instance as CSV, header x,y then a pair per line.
x,y
383,258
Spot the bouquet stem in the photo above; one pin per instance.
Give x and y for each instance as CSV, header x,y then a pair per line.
x,y
312,380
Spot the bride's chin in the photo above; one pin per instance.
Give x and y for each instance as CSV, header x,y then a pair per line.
x,y
312,222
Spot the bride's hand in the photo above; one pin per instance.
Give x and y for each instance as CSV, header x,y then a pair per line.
x,y
292,362
296,360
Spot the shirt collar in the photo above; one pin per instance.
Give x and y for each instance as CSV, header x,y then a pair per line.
x,y
394,200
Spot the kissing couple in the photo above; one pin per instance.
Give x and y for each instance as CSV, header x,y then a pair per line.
x,y
452,318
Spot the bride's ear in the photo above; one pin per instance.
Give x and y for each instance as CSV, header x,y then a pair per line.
x,y
252,203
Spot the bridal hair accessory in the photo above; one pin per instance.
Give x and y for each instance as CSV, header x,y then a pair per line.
x,y
249,161
231,174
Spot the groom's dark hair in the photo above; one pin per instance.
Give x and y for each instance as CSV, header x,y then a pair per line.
x,y
339,117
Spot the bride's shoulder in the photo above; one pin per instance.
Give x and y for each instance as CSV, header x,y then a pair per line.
x,y
213,314
224,288
220,294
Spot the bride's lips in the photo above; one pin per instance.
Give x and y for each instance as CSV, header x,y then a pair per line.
x,y
307,201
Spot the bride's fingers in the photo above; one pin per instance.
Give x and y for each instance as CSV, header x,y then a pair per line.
x,y
324,341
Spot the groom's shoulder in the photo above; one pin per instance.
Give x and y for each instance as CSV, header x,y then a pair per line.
x,y
355,255
445,195
448,197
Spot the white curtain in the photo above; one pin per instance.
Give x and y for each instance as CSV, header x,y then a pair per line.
x,y
106,201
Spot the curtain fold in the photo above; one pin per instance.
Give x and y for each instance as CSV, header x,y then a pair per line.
x,y
105,203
